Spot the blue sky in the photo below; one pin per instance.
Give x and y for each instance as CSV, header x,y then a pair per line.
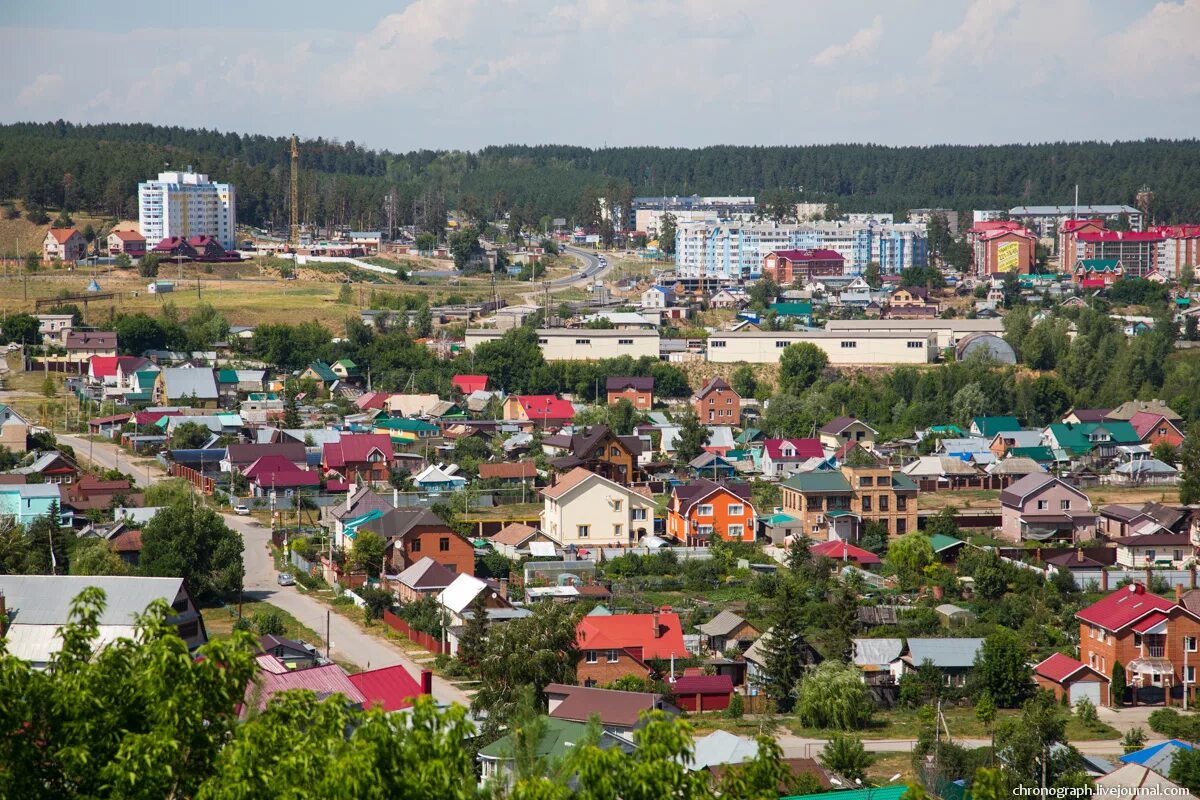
x,y
468,73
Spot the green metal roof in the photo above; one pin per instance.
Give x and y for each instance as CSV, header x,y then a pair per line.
x,y
780,519
227,376
836,513
990,426
879,793
748,435
405,424
559,737
1036,453
903,482
1075,438
1100,264
323,371
948,430
941,541
792,309
818,481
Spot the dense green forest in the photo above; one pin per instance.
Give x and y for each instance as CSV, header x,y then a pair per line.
x,y
97,168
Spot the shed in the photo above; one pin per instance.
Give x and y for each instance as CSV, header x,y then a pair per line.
x,y
952,616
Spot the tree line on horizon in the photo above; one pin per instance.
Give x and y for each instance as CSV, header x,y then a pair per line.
x,y
96,168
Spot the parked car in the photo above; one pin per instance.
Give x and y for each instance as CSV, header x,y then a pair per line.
x,y
287,579
241,510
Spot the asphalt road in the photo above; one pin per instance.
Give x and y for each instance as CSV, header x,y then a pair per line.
x,y
347,641
591,269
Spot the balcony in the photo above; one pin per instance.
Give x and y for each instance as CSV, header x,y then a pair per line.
x,y
1156,650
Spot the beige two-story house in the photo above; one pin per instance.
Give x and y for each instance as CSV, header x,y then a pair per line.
x,y
586,510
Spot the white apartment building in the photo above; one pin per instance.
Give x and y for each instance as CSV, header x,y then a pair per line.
x,y
187,204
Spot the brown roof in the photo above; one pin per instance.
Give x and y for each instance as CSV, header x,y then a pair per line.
x,y
612,706
127,542
62,235
128,236
395,524
568,482
797,766
508,469
716,384
92,340
364,502
513,534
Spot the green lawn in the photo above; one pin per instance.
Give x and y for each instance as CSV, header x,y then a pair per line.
x,y
904,723
219,622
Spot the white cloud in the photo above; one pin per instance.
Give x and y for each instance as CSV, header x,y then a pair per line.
x,y
975,36
861,43
1159,53
45,86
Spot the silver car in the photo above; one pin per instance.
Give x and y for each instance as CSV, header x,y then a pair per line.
x,y
286,579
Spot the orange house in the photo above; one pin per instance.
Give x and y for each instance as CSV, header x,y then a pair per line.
x,y
638,391
702,509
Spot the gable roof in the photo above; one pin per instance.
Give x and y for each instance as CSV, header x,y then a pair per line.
x,y
460,594
722,624
820,480
355,448
469,383
715,384
398,522
508,470
546,407
877,652
322,370
574,478
637,384
323,680
180,383
839,424
92,340
689,494
1126,410
613,707
1144,422
1018,490
47,599
633,630
990,426
514,534
1059,668
703,684
804,449
945,653
240,453
390,688
841,550
427,574
1124,607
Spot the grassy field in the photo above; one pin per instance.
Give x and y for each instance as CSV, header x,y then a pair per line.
x,y
31,236
904,723
219,622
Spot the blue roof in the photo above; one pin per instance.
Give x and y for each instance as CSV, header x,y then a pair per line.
x,y
1158,757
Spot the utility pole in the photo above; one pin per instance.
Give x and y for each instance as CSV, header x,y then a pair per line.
x,y
294,229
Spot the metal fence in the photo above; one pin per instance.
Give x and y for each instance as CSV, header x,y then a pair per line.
x,y
1172,577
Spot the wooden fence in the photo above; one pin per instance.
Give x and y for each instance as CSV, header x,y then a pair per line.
x,y
420,637
202,482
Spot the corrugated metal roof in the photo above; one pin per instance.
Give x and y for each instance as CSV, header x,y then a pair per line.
x,y
46,599
877,652
944,653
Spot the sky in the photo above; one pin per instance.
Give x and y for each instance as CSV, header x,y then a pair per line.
x,y
462,74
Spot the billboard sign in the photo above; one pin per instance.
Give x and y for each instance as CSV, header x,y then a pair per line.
x,y
1008,257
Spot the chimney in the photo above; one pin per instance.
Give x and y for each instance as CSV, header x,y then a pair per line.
x,y
504,588
396,497
654,622
1079,554
1103,580
426,682
350,497
1178,594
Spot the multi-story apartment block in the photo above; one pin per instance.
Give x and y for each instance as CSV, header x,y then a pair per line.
x,y
834,504
923,216
1045,220
187,204
1180,247
686,206
1136,250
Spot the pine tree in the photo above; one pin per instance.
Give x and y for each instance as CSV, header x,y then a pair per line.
x,y
785,649
291,412
472,644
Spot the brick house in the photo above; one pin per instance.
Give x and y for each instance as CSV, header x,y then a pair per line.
x,y
834,504
63,244
717,403
1005,250
1041,507
1067,676
611,647
1153,428
131,243
362,456
787,267
414,533
598,449
702,509
1149,635
638,391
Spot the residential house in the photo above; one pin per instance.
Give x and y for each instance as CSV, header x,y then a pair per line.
x,y
195,387
510,473
51,466
879,660
323,680
703,692
438,478
14,430
424,578
1041,507
515,539
404,431
543,409
756,659
598,449
717,403
89,493
291,653
557,740
618,712
239,456
37,606
130,243
638,391
797,312
391,688
988,427
24,503
834,504
359,457
414,533
701,510
82,345
457,598
1004,441
782,458
788,267
1117,520
1070,678
53,328
63,244
275,474
1093,441
711,465
1078,415
727,631
319,373
938,473
467,384
954,658
611,647
839,550
1140,470
585,510
1152,637
1096,273
413,405
1153,428
1136,780
1162,550
346,370
1126,410
657,297
726,298
848,429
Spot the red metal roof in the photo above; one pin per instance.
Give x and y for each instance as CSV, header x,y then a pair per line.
x,y
703,684
815,254
391,688
128,236
354,448
1070,225
1149,621
150,417
371,400
103,366
987,236
63,235
1145,421
994,225
1124,607
1119,236
469,383
805,448
840,550
324,680
1059,667
546,407
633,630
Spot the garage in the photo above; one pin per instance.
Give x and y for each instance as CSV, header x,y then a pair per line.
x,y
1085,689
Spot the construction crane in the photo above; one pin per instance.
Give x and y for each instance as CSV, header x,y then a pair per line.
x,y
294,230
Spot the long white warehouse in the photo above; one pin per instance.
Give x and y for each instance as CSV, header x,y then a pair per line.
x,y
858,348
581,344
948,331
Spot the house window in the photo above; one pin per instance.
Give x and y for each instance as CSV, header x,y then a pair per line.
x,y
1042,505
866,480
704,530
915,345
612,656
728,401
866,502
901,527
414,546
849,345
901,503
582,531
735,531
1064,505
617,531
1189,644
1178,555
444,544
1150,554
883,480
883,502
639,514
617,504
717,343
781,344
591,656
704,511
735,509
1190,677
583,341
624,341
